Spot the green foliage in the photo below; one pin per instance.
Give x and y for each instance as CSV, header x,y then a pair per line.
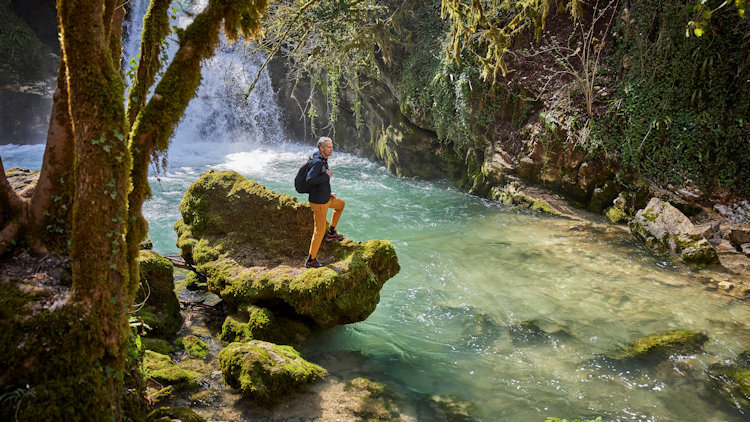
x,y
700,13
682,104
487,28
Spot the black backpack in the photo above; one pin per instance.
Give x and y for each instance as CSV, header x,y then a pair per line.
x,y
300,182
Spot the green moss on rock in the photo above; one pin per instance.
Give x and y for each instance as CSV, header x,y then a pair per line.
x,y
452,408
157,345
265,372
255,323
731,379
661,345
161,310
248,260
517,200
170,414
195,347
161,369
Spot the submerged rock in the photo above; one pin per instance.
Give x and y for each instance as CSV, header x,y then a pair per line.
x,y
661,345
250,243
161,310
663,227
265,372
732,379
370,404
452,408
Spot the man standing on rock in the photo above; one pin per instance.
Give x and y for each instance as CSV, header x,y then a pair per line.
x,y
321,199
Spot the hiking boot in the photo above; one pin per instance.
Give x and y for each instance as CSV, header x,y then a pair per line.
x,y
333,237
313,263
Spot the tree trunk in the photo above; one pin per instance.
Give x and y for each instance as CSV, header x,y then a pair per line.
x,y
101,173
52,203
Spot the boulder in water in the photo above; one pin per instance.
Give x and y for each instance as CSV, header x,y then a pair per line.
x,y
732,379
661,345
250,243
265,372
367,401
663,227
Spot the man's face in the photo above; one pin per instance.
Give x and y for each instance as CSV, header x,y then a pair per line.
x,y
327,149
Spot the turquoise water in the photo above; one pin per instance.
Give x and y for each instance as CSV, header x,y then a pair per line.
x,y
471,272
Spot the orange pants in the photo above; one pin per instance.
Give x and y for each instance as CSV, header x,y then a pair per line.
x,y
320,212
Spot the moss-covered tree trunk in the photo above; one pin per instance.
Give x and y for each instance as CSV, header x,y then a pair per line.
x,y
101,176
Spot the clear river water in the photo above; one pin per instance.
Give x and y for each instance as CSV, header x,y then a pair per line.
x,y
471,273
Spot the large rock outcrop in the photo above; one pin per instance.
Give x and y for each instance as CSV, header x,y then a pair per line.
x,y
663,227
250,243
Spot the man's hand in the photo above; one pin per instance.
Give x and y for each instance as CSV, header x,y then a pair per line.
x,y
329,172
333,195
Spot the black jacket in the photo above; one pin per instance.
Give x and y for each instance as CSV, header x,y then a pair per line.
x,y
320,183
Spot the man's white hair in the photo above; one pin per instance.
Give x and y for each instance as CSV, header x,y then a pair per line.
x,y
322,140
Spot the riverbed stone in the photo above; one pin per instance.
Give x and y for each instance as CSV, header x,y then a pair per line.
x,y
368,402
161,308
195,347
172,414
452,408
731,380
265,372
250,243
664,228
163,370
660,345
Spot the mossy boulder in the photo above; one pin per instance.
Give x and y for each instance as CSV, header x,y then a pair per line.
x,y
161,310
194,281
516,199
664,228
170,414
163,370
370,404
731,379
250,243
661,345
157,345
265,372
256,323
195,347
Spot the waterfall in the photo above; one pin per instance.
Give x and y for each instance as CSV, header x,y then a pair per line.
x,y
222,111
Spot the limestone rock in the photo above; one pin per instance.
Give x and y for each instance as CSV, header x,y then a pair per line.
x,y
737,234
452,408
663,227
516,199
250,243
265,372
660,345
161,312
161,369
